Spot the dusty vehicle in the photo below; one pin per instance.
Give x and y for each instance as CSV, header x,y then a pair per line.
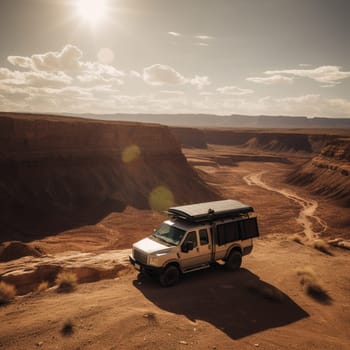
x,y
194,237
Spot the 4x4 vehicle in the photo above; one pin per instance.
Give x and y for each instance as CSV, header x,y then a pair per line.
x,y
195,236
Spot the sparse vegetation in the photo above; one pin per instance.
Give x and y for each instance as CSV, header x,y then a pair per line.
x,y
151,317
7,292
67,328
43,286
66,281
312,286
322,246
297,238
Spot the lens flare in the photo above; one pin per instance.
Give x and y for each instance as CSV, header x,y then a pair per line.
x,y
161,198
105,55
131,153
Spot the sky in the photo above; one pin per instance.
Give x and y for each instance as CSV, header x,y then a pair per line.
x,y
275,57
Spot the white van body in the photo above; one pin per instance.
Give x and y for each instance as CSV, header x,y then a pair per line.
x,y
196,236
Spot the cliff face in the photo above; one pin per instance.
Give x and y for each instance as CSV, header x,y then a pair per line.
x,y
276,141
189,137
55,170
328,173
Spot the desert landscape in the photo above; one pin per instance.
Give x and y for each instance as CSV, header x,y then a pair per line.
x,y
76,193
175,174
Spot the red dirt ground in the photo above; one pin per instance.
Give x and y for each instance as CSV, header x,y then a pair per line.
x,y
261,306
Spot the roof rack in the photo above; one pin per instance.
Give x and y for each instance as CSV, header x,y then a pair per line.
x,y
210,211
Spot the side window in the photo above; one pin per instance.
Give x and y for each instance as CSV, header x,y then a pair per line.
x,y
249,228
228,232
203,237
192,237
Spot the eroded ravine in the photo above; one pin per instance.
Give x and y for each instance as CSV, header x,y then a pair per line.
x,y
308,206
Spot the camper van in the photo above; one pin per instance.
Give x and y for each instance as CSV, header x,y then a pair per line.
x,y
194,237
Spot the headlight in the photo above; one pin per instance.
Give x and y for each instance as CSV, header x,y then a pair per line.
x,y
153,259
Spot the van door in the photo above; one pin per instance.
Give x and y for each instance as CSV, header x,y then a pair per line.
x,y
189,259
201,252
204,247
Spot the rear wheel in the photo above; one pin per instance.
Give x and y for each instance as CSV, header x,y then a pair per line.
x,y
169,276
234,261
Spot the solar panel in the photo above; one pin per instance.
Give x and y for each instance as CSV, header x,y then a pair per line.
x,y
210,210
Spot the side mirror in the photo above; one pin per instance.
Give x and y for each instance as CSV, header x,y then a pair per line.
x,y
187,246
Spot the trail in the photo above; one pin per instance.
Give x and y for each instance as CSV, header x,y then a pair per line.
x,y
308,206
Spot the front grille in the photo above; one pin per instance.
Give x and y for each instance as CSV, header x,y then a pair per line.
x,y
140,256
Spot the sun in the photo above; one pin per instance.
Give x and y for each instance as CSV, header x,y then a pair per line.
x,y
92,11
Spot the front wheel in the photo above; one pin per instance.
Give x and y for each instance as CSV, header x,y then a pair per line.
x,y
169,276
234,261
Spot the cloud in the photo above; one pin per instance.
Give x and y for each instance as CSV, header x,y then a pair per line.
x,y
57,68
35,79
135,74
19,61
273,79
204,37
202,44
174,34
44,79
13,93
173,92
160,74
234,90
200,81
322,74
58,81
98,73
308,105
68,59
206,93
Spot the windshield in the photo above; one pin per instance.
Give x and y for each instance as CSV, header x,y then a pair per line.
x,y
169,234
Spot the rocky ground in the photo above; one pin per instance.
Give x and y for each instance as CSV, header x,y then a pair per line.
x,y
288,294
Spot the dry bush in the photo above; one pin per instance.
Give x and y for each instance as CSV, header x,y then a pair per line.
x,y
297,238
312,285
322,246
151,317
66,281
67,328
7,292
43,286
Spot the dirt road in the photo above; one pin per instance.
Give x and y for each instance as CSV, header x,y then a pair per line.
x,y
307,215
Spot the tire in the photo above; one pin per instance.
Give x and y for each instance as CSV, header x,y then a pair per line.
x,y
169,276
234,261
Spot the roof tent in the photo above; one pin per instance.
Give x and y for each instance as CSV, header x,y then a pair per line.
x,y
210,211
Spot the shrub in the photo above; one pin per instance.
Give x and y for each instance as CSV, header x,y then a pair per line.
x,y
312,285
297,238
152,319
66,281
7,292
322,246
67,328
43,286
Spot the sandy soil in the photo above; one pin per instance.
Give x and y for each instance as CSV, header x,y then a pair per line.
x,y
307,206
261,306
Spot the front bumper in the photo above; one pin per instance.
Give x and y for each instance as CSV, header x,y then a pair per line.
x,y
143,267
